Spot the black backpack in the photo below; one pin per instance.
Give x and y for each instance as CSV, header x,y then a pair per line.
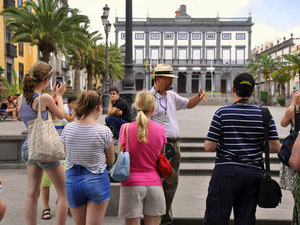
x,y
287,144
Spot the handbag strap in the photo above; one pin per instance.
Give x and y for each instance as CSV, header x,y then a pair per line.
x,y
39,110
127,142
126,136
266,122
297,117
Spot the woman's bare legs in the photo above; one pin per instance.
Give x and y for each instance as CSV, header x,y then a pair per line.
x,y
79,214
134,221
13,112
34,176
151,220
95,213
57,176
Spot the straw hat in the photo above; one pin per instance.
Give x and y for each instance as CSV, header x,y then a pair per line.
x,y
164,70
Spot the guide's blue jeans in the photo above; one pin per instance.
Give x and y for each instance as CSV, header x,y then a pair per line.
x,y
236,187
114,123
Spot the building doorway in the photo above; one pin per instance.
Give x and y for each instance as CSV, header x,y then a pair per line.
x,y
223,86
182,83
195,82
139,84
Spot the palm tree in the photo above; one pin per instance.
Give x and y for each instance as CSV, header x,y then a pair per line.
x,y
266,64
47,25
293,66
282,76
90,57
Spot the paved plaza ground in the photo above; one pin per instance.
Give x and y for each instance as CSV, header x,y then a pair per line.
x,y
192,191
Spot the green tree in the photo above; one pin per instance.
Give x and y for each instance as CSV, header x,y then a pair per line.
x,y
47,25
90,57
11,89
266,65
282,76
293,65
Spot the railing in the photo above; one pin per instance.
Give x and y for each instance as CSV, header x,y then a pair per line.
x,y
11,50
9,3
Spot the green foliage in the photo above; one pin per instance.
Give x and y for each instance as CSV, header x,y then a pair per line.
x,y
264,96
14,87
281,101
47,25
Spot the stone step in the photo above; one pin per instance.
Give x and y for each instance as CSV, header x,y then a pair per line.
x,y
209,157
206,169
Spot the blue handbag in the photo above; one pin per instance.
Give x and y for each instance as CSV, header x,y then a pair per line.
x,y
121,169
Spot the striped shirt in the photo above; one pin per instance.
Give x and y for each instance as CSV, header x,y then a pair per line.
x,y
59,125
239,131
86,145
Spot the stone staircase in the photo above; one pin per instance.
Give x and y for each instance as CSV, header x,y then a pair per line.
x,y
196,162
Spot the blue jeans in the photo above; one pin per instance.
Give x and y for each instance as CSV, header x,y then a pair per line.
x,y
114,123
234,187
82,186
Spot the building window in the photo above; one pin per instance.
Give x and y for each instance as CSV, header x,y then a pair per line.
x,y
20,47
168,55
226,56
240,56
240,36
196,36
139,56
168,36
20,2
123,36
21,72
182,36
226,36
210,36
139,36
182,55
154,54
9,72
210,54
196,55
154,36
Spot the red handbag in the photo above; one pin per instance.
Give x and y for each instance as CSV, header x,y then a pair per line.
x,y
164,166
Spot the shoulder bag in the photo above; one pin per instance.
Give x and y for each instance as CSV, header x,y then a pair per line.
x,y
269,194
43,140
288,143
121,169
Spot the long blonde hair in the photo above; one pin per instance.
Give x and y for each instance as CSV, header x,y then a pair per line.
x,y
144,103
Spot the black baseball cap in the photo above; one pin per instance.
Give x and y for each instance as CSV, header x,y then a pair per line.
x,y
243,80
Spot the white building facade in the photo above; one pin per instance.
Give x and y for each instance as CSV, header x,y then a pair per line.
x,y
204,52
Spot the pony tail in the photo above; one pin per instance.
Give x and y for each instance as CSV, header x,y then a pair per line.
x,y
29,83
142,123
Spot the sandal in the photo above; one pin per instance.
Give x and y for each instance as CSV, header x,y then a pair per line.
x,y
46,215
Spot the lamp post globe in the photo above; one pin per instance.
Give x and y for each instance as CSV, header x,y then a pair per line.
x,y
107,26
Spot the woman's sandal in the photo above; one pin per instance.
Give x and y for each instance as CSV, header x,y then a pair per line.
x,y
46,214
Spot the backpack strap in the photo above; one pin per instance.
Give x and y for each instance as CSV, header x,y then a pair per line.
x,y
266,122
297,117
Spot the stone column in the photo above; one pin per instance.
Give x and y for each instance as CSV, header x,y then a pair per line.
x,y
161,47
190,46
175,81
249,46
175,48
203,80
217,80
203,57
218,55
189,81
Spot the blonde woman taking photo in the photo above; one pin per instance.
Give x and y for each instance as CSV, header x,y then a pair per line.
x,y
142,194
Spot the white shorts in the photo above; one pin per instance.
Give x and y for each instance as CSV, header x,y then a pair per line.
x,y
136,201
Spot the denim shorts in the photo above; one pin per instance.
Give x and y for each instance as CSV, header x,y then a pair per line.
x,y
82,186
43,165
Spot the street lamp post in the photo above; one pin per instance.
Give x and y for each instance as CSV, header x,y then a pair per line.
x,y
107,27
211,69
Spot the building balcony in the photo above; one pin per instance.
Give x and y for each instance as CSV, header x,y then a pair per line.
x,y
11,50
65,65
9,3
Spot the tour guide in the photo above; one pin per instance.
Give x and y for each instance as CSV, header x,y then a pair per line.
x,y
167,103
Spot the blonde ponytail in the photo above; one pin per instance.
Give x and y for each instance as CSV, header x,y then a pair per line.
x,y
144,103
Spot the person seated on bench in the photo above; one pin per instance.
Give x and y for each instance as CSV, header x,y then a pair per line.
x,y
9,108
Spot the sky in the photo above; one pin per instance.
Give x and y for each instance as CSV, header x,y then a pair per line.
x,y
273,19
